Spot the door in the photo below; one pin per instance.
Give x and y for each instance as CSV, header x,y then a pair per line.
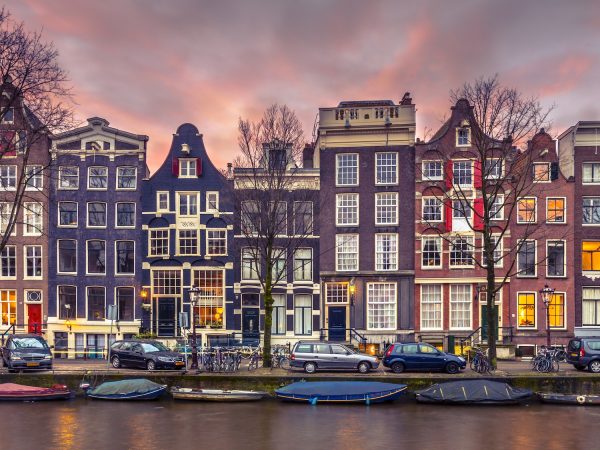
x,y
250,326
484,322
34,318
337,323
430,357
166,317
341,359
137,356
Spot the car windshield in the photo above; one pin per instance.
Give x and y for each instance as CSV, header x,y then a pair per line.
x,y
153,347
29,343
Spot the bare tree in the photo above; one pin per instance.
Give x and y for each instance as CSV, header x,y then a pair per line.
x,y
498,119
275,201
34,102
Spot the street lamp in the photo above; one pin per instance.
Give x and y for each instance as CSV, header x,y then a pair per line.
x,y
194,294
547,294
352,291
68,321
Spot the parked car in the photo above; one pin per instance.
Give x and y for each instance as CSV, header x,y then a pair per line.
x,y
151,355
313,356
584,352
419,356
26,352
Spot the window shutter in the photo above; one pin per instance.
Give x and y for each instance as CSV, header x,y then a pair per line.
x,y
7,143
554,171
175,166
478,214
449,174
448,214
477,174
198,167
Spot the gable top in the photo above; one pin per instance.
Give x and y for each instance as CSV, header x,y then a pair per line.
x,y
99,125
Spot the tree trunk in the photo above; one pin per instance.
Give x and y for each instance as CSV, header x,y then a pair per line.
x,y
492,320
268,315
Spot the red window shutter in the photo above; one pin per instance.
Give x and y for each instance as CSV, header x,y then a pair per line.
x,y
448,214
198,167
175,166
449,174
7,143
478,214
477,172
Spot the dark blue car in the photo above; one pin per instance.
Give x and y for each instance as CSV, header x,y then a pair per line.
x,y
419,356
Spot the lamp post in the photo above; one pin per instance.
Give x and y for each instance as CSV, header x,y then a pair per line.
x,y
352,291
547,293
194,293
68,321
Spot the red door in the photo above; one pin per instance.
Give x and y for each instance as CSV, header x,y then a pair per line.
x,y
34,313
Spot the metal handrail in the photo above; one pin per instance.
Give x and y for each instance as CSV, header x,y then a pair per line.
x,y
12,328
353,334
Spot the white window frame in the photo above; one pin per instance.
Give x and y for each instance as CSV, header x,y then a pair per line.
x,y
370,320
564,258
337,156
254,269
452,302
426,177
37,224
342,291
178,242
535,259
25,258
535,308
188,165
436,304
87,309
500,214
564,199
87,217
76,215
16,262
208,239
585,289
117,176
168,238
90,188
380,195
210,194
179,195
134,216
592,163
11,176
470,242
338,247
588,197
87,266
440,244
158,208
38,175
469,141
454,177
440,205
58,241
500,262
60,178
548,165
310,277
493,176
380,255
353,210
396,167
565,311
125,274
534,210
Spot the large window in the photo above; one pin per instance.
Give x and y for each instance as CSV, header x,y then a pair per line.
x,y
461,209
250,217
462,174
188,242
498,252
68,177
280,217
96,303
461,251
249,265
211,302
279,319
303,264
125,303
433,170
526,259
346,252
8,178
526,210
386,168
431,252
431,306
67,214
496,209
590,306
303,315
386,251
460,306
591,210
125,215
125,257
556,259
32,213
67,256
336,292
8,307
590,256
67,302
303,218
159,242
216,242
34,178
526,309
126,177
8,262
346,209
555,210
386,208
188,204
96,257
96,215
5,216
381,306
33,261
557,310
279,271
493,168
347,169
97,178
166,283
591,172
432,209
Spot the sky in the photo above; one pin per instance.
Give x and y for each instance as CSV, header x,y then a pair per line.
x,y
148,66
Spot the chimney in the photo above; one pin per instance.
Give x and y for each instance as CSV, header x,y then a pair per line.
x,y
229,170
307,156
406,99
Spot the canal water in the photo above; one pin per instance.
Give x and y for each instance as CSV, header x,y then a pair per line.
x,y
88,424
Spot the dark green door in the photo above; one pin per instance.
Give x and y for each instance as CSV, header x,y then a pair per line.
x,y
484,321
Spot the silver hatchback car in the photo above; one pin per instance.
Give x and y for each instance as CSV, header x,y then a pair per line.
x,y
313,356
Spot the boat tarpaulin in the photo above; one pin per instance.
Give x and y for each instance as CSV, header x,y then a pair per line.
x,y
340,391
124,387
473,391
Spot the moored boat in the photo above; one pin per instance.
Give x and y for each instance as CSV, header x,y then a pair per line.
x,y
217,395
569,399
136,389
21,392
366,392
482,392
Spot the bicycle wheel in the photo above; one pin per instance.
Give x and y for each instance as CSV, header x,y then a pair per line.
x,y
285,363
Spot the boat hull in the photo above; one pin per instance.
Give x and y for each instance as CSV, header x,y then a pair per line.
x,y
151,395
15,392
35,397
570,399
341,392
218,395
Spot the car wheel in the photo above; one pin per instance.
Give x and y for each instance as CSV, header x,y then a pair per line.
x,y
452,367
116,362
398,367
310,367
364,367
595,366
151,365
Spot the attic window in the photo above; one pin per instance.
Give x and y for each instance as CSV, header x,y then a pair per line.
x,y
463,137
9,115
188,168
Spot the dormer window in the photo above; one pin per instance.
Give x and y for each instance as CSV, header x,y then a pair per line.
x,y
188,168
541,172
463,137
9,115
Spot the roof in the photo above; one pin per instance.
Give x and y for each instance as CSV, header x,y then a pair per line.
x,y
365,103
95,121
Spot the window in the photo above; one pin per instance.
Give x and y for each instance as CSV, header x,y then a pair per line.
x,y
336,292
386,251
67,302
460,306
591,210
68,177
555,210
33,261
249,265
8,178
526,259
303,315
541,172
462,173
556,310
5,216
496,208
32,213
187,242
162,201
526,210
96,215
463,137
493,169
97,178
498,252
125,257
34,178
591,173
433,170
386,168
188,204
431,252
96,257
303,264
67,214
556,259
250,217
526,309
125,215
279,319
212,202
67,255
303,218
125,302
590,306
461,251
590,256
386,208
432,209
166,283
8,262
431,307
461,209
346,252
280,217
346,169
187,168
159,243
8,306
210,306
216,242
96,303
381,306
279,265
346,209
126,177
9,115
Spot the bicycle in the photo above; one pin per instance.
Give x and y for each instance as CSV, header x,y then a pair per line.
x,y
545,361
254,359
280,358
480,362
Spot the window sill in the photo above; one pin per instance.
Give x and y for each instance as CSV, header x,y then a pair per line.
x,y
68,189
431,267
527,328
68,226
95,274
67,273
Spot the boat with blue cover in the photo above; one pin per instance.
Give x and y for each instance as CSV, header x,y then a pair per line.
x,y
366,392
136,389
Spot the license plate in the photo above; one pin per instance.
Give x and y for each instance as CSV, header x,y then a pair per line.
x,y
179,363
573,354
32,364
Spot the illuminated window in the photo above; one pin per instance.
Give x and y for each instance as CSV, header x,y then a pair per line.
x,y
8,306
555,210
210,307
526,310
590,256
526,210
557,311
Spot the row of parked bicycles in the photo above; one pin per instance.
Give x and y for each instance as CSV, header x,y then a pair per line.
x,y
547,360
232,359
